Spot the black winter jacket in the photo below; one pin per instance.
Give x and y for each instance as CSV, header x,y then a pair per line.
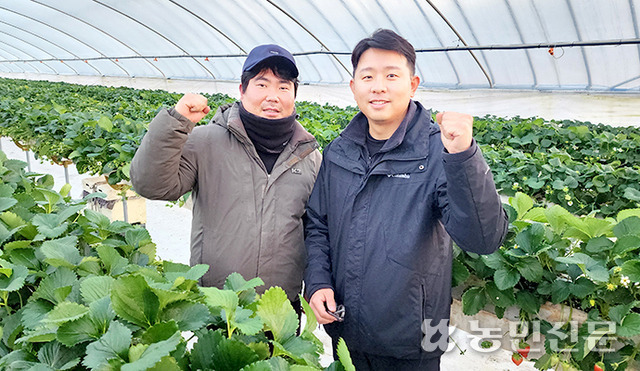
x,y
379,232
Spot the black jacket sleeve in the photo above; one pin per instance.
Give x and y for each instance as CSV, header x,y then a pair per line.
x,y
471,208
318,271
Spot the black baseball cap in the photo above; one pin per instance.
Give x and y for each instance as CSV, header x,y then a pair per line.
x,y
264,52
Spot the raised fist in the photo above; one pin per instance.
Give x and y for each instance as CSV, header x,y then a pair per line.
x,y
193,106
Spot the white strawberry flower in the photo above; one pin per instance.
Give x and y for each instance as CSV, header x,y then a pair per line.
x,y
625,281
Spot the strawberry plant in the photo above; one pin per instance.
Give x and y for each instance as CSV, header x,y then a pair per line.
x,y
573,240
80,292
100,128
324,122
585,263
583,167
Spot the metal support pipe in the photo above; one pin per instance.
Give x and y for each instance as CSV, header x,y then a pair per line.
x,y
308,31
459,36
28,160
186,54
66,173
90,24
124,207
568,44
546,45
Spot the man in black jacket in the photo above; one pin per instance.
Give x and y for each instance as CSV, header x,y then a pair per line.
x,y
392,192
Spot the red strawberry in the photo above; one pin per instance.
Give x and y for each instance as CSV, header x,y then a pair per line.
x,y
598,366
523,349
517,358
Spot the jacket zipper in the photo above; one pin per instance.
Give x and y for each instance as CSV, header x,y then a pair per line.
x,y
254,155
423,312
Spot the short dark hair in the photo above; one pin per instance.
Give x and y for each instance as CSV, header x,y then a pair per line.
x,y
275,67
386,40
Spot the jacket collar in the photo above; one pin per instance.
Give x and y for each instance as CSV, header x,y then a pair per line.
x,y
358,128
410,140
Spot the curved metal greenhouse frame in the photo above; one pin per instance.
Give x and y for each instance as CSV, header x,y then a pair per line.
x,y
583,45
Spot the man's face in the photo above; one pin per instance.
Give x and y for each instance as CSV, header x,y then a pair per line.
x,y
383,85
268,96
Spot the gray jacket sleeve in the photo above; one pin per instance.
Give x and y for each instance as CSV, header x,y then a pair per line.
x,y
165,165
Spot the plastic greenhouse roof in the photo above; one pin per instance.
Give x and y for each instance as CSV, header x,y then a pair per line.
x,y
584,45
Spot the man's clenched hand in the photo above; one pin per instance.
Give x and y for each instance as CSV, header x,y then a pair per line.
x,y
456,130
193,106
317,303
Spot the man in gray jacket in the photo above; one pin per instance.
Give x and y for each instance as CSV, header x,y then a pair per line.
x,y
250,170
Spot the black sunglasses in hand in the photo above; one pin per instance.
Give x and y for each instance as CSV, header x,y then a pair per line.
x,y
338,314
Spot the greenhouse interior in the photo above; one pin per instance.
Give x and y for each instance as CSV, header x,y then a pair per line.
x,y
95,276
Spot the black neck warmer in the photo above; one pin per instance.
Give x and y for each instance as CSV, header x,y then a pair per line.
x,y
267,135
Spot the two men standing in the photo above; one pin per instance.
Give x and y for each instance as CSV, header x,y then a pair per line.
x,y
392,193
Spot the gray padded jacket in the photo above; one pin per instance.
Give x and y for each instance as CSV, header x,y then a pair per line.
x,y
244,220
